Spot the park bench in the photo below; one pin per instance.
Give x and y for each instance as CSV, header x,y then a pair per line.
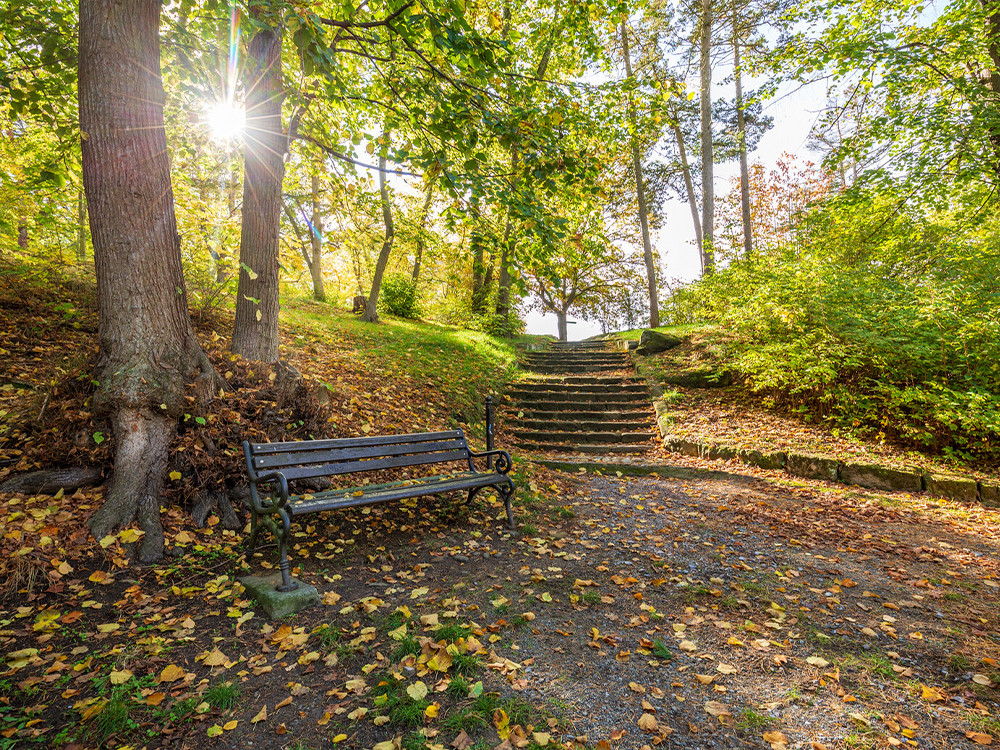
x,y
275,467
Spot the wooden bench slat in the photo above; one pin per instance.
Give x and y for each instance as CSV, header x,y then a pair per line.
x,y
316,445
372,464
346,498
298,457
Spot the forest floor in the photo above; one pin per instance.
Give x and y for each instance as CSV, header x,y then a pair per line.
x,y
727,610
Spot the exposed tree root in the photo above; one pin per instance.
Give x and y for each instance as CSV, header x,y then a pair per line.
x,y
50,481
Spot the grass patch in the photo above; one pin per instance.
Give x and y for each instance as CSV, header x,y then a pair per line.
x,y
223,695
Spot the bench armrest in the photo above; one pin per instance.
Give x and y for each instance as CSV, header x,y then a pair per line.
x,y
501,465
273,478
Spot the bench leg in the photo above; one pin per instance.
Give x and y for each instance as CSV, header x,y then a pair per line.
x,y
507,493
287,584
254,531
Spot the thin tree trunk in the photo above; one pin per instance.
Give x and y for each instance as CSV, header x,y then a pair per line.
x,y
640,195
22,233
563,327
148,350
255,333
222,266
371,307
741,130
688,184
81,226
424,213
316,240
479,290
707,155
992,12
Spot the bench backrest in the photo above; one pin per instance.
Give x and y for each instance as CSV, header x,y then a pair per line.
x,y
307,459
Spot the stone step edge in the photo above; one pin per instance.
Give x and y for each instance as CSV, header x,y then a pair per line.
x,y
870,476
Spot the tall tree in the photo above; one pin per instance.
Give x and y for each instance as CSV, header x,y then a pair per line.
x,y
371,306
640,189
707,154
422,232
741,138
255,332
148,350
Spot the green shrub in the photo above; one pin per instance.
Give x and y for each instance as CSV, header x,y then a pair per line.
x,y
398,296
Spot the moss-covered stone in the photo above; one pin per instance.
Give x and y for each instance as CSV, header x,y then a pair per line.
x,y
953,488
278,604
699,377
683,446
763,460
652,342
813,467
989,494
881,477
718,452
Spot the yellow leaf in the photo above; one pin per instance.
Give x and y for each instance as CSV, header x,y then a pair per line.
x,y
979,738
107,541
340,738
155,699
932,694
417,691
128,536
108,627
174,476
417,593
171,673
214,658
331,597
121,677
261,715
309,658
230,725
647,723
502,723
432,710
214,731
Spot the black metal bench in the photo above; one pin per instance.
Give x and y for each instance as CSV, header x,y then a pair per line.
x,y
274,467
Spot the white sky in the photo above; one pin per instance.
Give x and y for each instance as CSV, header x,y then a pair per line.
x,y
794,114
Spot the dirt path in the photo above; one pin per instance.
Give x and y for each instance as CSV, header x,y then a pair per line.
x,y
709,613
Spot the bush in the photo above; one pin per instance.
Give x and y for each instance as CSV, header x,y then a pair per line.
x,y
498,325
398,296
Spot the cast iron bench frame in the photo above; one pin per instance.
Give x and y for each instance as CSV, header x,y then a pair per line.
x,y
275,465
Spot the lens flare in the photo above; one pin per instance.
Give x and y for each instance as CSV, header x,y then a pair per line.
x,y
226,120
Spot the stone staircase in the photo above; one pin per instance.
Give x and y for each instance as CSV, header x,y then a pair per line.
x,y
584,397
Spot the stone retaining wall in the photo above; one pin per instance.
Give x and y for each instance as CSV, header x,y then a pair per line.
x,y
810,466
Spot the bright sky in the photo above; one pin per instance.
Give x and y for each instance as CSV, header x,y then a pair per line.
x,y
794,114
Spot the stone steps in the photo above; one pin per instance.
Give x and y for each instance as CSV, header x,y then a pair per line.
x,y
584,425
634,415
558,436
542,387
584,448
591,402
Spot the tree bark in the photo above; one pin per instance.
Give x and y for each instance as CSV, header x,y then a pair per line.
x,y
255,333
81,226
640,196
741,131
563,327
50,481
316,241
688,184
22,234
222,270
371,307
992,12
478,274
148,350
707,155
424,213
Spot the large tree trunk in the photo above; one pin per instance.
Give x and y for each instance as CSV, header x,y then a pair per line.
x,y
992,11
148,350
640,196
707,155
421,239
741,131
688,183
316,242
563,327
81,226
255,333
371,306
